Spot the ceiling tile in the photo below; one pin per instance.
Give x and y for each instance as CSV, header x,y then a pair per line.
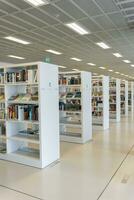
x,y
42,16
90,25
21,4
56,13
89,7
30,19
121,22
104,22
17,21
72,10
107,5
7,8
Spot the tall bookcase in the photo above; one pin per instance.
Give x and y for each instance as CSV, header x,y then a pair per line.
x,y
124,98
114,99
131,97
100,102
75,106
29,115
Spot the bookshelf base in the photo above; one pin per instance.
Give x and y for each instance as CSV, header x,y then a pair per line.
x,y
71,139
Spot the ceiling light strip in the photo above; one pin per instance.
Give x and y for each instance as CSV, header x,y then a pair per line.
x,y
77,28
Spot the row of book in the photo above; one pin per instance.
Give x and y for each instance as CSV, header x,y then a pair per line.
x,y
23,112
72,105
24,75
76,80
97,83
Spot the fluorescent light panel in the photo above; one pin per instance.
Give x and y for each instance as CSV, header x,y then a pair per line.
x,y
110,70
118,55
132,65
63,67
53,51
76,59
102,67
117,72
17,57
77,28
37,2
76,70
103,45
127,61
14,39
92,64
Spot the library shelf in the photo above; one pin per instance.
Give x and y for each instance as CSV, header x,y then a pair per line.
x,y
29,133
114,99
124,98
75,106
100,102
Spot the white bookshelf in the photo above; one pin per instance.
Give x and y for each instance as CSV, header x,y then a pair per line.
x,y
31,135
131,97
75,106
100,102
114,99
124,98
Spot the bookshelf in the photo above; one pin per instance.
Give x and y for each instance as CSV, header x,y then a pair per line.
x,y
29,130
124,98
114,99
131,97
100,102
75,106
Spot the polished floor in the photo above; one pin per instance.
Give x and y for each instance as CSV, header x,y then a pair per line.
x,y
99,170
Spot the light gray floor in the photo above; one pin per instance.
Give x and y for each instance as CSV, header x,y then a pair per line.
x,y
102,169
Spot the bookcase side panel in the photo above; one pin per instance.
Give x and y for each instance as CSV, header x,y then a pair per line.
x,y
105,102
118,111
49,113
86,106
126,98
132,97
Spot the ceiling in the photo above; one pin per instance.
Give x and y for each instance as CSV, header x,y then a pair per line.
x,y
44,27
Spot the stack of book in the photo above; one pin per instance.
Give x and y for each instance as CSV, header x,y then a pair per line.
x,y
24,97
23,112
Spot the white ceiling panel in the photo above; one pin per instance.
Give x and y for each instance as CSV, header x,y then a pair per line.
x,y
69,8
45,28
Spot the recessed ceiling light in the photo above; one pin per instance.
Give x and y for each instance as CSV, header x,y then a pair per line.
x,y
77,28
76,59
127,61
118,55
122,74
132,65
110,70
103,45
63,67
92,64
37,2
102,67
94,74
117,72
14,39
17,57
53,51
